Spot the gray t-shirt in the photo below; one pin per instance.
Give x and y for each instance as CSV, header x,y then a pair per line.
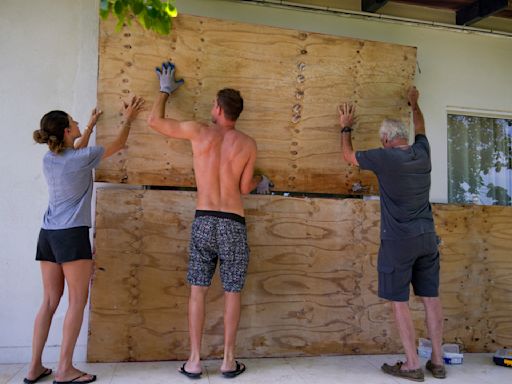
x,y
69,178
404,182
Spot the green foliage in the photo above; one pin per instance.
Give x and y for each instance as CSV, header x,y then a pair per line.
x,y
153,15
477,146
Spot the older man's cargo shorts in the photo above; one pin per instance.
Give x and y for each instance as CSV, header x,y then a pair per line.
x,y
409,261
218,236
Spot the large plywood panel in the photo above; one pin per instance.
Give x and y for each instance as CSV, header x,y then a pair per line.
x,y
291,82
477,244
312,281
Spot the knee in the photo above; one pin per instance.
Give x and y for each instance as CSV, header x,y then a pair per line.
x,y
431,301
198,292
51,303
78,300
78,303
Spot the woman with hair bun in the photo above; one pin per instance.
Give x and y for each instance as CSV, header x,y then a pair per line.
x,y
63,247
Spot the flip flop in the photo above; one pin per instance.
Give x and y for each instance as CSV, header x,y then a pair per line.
x,y
190,375
74,381
46,372
240,368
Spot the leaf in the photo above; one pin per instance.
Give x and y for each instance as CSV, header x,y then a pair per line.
x,y
104,6
142,20
156,4
148,21
171,10
104,14
119,8
163,25
119,25
137,7
152,12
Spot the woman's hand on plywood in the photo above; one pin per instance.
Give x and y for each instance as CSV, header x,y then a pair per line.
x,y
132,109
95,114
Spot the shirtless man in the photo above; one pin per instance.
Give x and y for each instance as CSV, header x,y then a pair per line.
x,y
224,165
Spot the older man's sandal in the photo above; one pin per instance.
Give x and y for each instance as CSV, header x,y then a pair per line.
x,y
438,371
409,374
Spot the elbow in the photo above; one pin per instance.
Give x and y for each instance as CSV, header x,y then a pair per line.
x,y
245,190
152,120
350,158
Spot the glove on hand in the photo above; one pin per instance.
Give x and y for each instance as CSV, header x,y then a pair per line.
x,y
264,186
168,83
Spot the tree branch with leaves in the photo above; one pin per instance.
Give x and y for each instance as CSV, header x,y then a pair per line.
x,y
153,15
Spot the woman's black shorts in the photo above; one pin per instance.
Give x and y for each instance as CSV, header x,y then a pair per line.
x,y
63,245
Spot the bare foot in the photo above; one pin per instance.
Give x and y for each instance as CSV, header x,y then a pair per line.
x,y
228,366
38,373
191,367
408,367
237,369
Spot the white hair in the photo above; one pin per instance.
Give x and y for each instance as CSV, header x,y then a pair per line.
x,y
393,129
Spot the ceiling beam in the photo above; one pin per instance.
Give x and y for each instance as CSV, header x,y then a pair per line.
x,y
478,10
372,5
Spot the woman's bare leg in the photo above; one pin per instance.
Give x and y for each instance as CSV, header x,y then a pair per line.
x,y
53,286
78,276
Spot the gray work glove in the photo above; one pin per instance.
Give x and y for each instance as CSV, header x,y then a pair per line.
x,y
264,186
168,84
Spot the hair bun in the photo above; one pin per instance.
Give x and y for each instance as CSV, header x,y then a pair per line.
x,y
40,137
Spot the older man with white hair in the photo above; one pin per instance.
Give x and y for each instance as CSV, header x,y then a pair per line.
x,y
408,251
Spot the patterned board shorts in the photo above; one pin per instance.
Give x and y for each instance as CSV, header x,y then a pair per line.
x,y
218,236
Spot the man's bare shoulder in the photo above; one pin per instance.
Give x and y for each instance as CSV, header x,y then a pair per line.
x,y
248,140
196,128
193,124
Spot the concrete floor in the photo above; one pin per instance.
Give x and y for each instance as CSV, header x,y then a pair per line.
x,y
477,368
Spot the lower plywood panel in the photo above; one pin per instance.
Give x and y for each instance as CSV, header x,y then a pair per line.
x,y
311,286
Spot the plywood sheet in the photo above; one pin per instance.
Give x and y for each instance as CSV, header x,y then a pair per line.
x,y
312,281
291,82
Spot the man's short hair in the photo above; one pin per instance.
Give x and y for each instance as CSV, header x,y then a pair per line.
x,y
393,129
231,103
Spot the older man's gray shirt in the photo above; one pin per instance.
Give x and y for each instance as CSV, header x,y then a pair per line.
x,y
404,182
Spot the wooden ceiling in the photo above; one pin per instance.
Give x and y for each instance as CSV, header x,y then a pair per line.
x,y
455,5
467,12
495,15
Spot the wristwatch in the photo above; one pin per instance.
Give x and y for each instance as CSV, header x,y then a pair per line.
x,y
346,130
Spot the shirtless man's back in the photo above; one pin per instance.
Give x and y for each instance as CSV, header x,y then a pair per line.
x,y
224,165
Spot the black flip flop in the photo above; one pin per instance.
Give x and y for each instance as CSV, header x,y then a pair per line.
x,y
240,368
190,375
46,372
74,381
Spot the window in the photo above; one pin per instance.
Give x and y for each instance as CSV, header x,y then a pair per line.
x,y
479,160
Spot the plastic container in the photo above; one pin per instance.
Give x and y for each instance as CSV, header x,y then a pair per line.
x,y
424,348
503,357
451,354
